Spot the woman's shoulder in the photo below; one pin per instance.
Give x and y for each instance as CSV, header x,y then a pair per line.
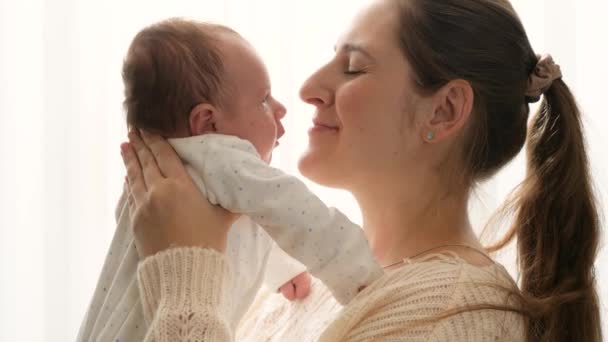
x,y
443,282
415,301
448,271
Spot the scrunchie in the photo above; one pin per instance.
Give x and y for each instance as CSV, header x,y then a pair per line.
x,y
541,78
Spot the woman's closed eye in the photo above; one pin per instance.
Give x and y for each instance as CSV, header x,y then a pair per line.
x,y
354,72
354,68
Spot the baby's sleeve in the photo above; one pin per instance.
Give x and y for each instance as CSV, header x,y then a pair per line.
x,y
120,206
333,248
280,268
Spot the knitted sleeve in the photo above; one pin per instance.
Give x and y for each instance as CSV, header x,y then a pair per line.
x,y
184,295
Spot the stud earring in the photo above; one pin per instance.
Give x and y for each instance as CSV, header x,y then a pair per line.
x,y
430,136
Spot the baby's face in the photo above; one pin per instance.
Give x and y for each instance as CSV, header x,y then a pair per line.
x,y
251,112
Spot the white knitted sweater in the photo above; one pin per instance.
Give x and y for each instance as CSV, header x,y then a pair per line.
x,y
184,298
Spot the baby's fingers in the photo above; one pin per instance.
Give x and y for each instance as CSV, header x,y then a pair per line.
x,y
302,285
288,290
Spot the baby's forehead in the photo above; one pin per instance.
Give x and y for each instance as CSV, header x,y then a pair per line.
x,y
243,67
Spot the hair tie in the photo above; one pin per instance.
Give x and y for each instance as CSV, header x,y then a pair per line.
x,y
541,78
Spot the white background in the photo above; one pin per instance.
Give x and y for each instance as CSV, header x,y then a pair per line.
x,y
61,124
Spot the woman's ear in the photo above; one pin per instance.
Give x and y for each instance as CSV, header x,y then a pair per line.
x,y
202,119
453,104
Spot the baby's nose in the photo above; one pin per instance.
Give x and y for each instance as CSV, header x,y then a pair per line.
x,y
280,110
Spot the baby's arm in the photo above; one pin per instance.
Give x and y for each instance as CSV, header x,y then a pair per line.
x,y
333,248
121,205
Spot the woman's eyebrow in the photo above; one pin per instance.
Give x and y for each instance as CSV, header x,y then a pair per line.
x,y
349,47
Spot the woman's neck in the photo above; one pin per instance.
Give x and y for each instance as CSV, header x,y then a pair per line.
x,y
401,223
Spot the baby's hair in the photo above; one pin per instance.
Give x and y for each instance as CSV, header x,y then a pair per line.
x,y
170,67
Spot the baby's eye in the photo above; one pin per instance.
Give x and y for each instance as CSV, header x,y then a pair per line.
x,y
266,101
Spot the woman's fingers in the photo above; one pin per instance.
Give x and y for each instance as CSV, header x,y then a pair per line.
x,y
151,172
167,160
135,180
130,199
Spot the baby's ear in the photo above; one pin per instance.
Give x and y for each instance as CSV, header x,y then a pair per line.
x,y
202,119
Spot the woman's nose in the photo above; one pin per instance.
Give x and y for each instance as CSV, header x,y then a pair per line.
x,y
316,91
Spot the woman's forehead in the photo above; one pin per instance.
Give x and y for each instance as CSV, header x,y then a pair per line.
x,y
374,26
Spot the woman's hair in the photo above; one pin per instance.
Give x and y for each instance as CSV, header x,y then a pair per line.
x,y
556,222
170,67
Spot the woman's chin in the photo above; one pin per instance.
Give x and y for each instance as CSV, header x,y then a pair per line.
x,y
306,163
318,168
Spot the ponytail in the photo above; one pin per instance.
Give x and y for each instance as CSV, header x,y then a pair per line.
x,y
555,218
557,226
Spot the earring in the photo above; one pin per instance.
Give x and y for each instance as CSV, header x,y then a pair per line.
x,y
430,136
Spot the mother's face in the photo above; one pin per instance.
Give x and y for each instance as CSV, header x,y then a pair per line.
x,y
365,105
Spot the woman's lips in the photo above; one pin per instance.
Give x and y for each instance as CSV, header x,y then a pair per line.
x,y
320,128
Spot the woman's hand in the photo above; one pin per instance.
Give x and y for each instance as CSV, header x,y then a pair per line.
x,y
167,209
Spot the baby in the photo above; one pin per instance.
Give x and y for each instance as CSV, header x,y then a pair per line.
x,y
205,87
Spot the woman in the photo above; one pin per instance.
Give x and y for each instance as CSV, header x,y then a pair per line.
x,y
422,100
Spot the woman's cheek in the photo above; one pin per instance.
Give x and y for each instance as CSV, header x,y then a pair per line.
x,y
352,98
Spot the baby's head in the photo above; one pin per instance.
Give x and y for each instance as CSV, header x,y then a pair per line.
x,y
185,78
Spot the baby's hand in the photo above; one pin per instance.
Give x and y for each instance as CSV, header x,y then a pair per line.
x,y
296,288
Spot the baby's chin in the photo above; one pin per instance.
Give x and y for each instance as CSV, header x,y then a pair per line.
x,y
268,158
